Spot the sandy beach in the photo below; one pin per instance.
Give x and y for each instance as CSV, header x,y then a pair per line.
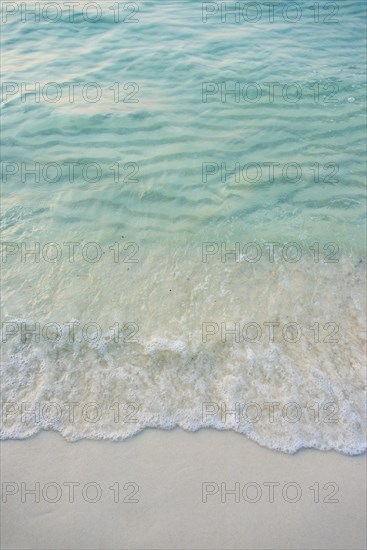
x,y
163,490
183,273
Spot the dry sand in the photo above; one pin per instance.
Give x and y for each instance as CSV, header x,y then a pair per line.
x,y
166,472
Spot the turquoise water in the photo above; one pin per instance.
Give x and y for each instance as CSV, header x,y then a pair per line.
x,y
172,132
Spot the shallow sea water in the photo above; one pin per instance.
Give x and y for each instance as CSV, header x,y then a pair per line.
x,y
154,324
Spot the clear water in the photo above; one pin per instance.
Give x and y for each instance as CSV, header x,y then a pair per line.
x,y
160,211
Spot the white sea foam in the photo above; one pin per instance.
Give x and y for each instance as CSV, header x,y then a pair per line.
x,y
171,377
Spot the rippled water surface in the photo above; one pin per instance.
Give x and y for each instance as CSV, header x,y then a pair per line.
x,y
145,172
